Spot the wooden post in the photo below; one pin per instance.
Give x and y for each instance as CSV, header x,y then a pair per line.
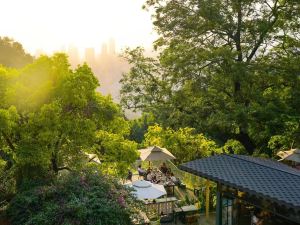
x,y
207,199
219,206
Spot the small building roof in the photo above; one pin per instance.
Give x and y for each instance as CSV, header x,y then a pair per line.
x,y
266,178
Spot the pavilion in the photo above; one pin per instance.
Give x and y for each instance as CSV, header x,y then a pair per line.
x,y
245,183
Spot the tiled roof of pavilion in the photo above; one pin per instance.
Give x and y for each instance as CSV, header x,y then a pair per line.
x,y
265,178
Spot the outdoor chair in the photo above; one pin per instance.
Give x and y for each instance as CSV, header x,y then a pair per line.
x,y
141,175
166,218
192,219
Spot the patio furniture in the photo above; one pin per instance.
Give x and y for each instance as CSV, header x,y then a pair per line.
x,y
141,174
166,218
191,219
146,190
177,213
155,153
190,214
189,208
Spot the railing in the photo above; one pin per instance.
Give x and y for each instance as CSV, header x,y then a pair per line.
x,y
161,206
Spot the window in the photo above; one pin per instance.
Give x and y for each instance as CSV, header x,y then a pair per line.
x,y
227,211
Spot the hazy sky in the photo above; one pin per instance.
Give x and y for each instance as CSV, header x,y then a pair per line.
x,y
53,24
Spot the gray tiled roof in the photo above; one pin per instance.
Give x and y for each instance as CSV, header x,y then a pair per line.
x,y
263,177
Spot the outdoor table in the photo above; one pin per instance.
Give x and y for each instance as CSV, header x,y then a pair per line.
x,y
189,208
163,180
187,211
177,212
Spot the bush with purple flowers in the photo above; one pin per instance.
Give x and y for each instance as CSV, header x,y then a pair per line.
x,y
85,198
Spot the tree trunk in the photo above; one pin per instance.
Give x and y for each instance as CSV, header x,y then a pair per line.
x,y
54,163
246,141
6,157
237,39
8,141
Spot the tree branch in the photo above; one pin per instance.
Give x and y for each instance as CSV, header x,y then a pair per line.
x,y
265,32
8,141
237,36
63,168
6,157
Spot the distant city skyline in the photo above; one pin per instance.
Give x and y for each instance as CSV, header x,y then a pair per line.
x,y
105,63
54,25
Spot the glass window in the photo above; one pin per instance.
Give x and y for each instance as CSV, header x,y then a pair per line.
x,y
227,211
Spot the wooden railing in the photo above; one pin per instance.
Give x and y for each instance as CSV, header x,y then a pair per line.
x,y
161,206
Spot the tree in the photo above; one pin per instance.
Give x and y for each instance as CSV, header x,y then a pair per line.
x,y
12,54
140,126
184,143
116,153
234,147
230,69
51,116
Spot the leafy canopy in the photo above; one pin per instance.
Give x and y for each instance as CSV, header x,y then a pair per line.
x,y
229,69
51,116
12,54
184,143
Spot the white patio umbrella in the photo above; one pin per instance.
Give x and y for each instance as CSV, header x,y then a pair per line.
x,y
155,153
146,190
292,155
93,158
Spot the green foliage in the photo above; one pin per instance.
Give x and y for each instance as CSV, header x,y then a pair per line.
x,y
8,119
234,147
184,143
78,198
115,152
140,126
229,69
12,54
7,184
50,116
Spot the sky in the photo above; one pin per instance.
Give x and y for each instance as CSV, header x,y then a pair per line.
x,y
52,25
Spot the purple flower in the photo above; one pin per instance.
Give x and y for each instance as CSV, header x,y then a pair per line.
x,y
121,201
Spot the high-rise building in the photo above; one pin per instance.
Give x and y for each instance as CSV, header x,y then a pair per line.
x,y
111,46
39,52
90,56
73,54
104,50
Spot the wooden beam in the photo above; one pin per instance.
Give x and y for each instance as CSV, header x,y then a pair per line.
x,y
207,199
219,207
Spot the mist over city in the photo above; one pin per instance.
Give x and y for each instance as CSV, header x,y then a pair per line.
x,y
95,32
106,62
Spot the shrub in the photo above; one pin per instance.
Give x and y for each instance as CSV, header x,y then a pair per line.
x,y
77,198
234,147
7,184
